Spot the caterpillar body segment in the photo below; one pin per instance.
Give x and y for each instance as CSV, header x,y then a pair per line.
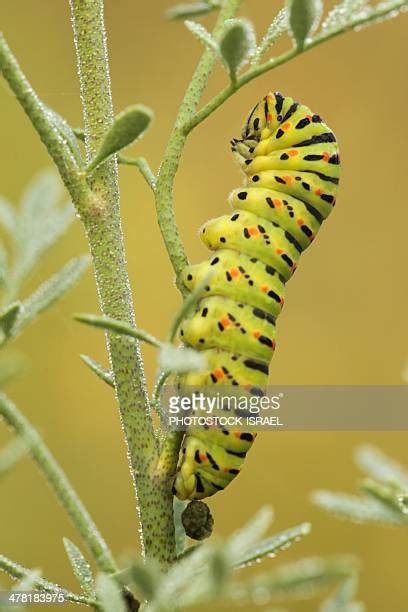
x,y
291,164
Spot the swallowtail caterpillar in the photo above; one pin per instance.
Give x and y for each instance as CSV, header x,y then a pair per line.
x,y
291,165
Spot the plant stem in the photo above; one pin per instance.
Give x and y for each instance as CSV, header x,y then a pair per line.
x,y
256,71
171,159
41,119
59,484
104,231
18,572
142,166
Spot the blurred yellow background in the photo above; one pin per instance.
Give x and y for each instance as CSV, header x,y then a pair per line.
x,y
345,319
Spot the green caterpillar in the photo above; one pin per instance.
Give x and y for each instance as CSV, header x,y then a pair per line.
x,y
291,162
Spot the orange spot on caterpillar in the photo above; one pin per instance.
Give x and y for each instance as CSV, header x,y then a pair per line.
x,y
318,192
264,289
300,221
269,117
286,126
310,117
279,251
225,470
237,434
225,322
326,156
218,373
277,202
288,179
253,231
293,152
256,333
273,344
282,301
203,457
234,272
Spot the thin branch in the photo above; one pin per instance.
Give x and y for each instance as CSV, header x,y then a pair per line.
x,y
103,227
18,572
42,120
98,369
118,327
260,69
171,159
160,380
143,166
59,484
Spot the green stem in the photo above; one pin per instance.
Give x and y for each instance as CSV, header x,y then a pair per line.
x,y
104,231
143,167
171,159
18,572
41,119
256,71
59,484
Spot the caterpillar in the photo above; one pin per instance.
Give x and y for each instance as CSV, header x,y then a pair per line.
x,y
291,163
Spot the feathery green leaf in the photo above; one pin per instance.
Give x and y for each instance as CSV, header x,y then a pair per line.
x,y
306,577
237,44
142,577
202,35
19,572
29,581
67,134
193,9
99,370
380,467
240,542
109,594
388,495
127,127
343,13
81,568
304,18
117,327
342,598
358,509
271,546
51,291
278,26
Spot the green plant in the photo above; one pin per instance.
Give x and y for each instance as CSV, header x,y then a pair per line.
x,y
384,498
92,183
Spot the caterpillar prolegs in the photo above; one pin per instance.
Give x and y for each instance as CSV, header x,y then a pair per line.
x,y
291,162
